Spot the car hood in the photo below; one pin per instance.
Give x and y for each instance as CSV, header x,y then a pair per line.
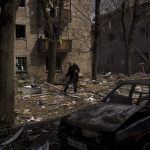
x,y
102,117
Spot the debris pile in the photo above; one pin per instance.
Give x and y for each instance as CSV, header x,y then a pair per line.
x,y
43,100
36,136
35,103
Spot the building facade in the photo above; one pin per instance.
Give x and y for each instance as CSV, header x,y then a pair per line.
x,y
32,43
111,54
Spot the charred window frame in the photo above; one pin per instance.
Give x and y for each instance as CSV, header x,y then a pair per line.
x,y
21,64
22,3
59,61
20,31
46,34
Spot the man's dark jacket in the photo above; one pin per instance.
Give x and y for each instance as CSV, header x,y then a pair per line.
x,y
73,73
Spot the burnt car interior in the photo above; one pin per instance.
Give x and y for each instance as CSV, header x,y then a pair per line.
x,y
129,94
115,98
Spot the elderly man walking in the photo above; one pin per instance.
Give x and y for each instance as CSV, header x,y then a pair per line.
x,y
73,75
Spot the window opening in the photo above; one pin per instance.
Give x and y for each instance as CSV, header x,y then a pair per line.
x,y
22,3
20,31
21,64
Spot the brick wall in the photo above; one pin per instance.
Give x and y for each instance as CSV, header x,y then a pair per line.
x,y
78,30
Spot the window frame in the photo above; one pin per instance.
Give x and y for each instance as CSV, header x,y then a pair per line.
x,y
59,60
23,62
17,32
24,3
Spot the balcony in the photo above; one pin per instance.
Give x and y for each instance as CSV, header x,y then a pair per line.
x,y
46,44
65,46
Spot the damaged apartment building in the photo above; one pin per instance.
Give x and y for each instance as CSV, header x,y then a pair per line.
x,y
32,44
111,56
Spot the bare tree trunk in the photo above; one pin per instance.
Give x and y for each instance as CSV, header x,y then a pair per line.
x,y
131,32
52,50
52,61
125,40
129,40
96,39
53,36
7,95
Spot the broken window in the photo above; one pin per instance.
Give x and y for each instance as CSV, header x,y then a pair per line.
x,y
52,12
59,61
46,34
22,3
144,32
20,31
55,2
21,64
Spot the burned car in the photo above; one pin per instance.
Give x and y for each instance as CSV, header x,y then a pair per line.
x,y
121,121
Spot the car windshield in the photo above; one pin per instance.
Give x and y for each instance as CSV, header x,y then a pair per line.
x,y
130,94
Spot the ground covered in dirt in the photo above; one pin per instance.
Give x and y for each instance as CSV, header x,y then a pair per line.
x,y
52,103
39,107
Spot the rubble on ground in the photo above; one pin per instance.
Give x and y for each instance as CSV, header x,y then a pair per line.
x,y
39,107
35,103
